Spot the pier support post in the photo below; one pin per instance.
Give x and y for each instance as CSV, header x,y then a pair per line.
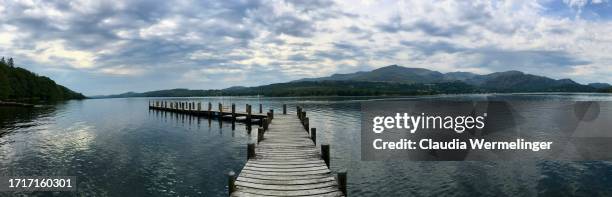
x,y
284,109
313,135
209,109
250,151
260,134
233,111
220,109
248,110
231,182
199,106
299,112
264,122
325,153
271,114
342,181
260,108
306,123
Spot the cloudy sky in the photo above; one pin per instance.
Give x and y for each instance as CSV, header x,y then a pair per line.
x,y
105,47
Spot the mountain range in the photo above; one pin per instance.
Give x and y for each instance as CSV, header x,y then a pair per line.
x,y
508,81
395,80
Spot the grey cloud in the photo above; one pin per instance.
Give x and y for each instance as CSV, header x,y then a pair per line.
x,y
430,48
397,24
501,59
297,57
527,59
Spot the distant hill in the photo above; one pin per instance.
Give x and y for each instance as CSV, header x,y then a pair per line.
x,y
509,81
19,84
600,85
393,73
394,80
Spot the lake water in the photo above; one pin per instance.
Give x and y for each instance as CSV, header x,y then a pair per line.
x,y
117,147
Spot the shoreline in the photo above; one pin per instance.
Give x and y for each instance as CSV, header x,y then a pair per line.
x,y
15,104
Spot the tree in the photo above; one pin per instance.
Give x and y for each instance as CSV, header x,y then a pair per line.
x,y
10,62
2,61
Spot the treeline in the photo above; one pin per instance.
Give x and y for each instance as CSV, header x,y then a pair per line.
x,y
22,85
353,88
318,88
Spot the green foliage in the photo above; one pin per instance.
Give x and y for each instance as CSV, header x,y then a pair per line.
x,y
21,84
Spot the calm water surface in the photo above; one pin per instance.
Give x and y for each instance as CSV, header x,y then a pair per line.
x,y
117,147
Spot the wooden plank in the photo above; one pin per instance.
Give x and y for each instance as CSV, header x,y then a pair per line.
x,y
260,169
317,192
286,166
285,182
283,178
286,187
314,172
244,194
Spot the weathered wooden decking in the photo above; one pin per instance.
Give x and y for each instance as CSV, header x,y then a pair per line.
x,y
196,109
286,163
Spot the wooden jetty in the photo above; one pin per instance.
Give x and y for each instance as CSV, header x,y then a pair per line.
x,y
222,112
285,162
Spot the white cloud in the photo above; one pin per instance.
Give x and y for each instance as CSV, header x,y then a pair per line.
x,y
55,53
122,70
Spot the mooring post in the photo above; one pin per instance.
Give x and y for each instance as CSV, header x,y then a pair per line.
x,y
209,109
231,182
260,134
250,151
307,123
325,153
313,135
260,108
284,109
248,113
342,181
299,112
220,109
199,106
233,111
271,114
264,122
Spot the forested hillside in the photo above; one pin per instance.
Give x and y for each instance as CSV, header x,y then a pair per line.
x,y
20,84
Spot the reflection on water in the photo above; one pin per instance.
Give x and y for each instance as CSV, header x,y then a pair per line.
x,y
116,147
